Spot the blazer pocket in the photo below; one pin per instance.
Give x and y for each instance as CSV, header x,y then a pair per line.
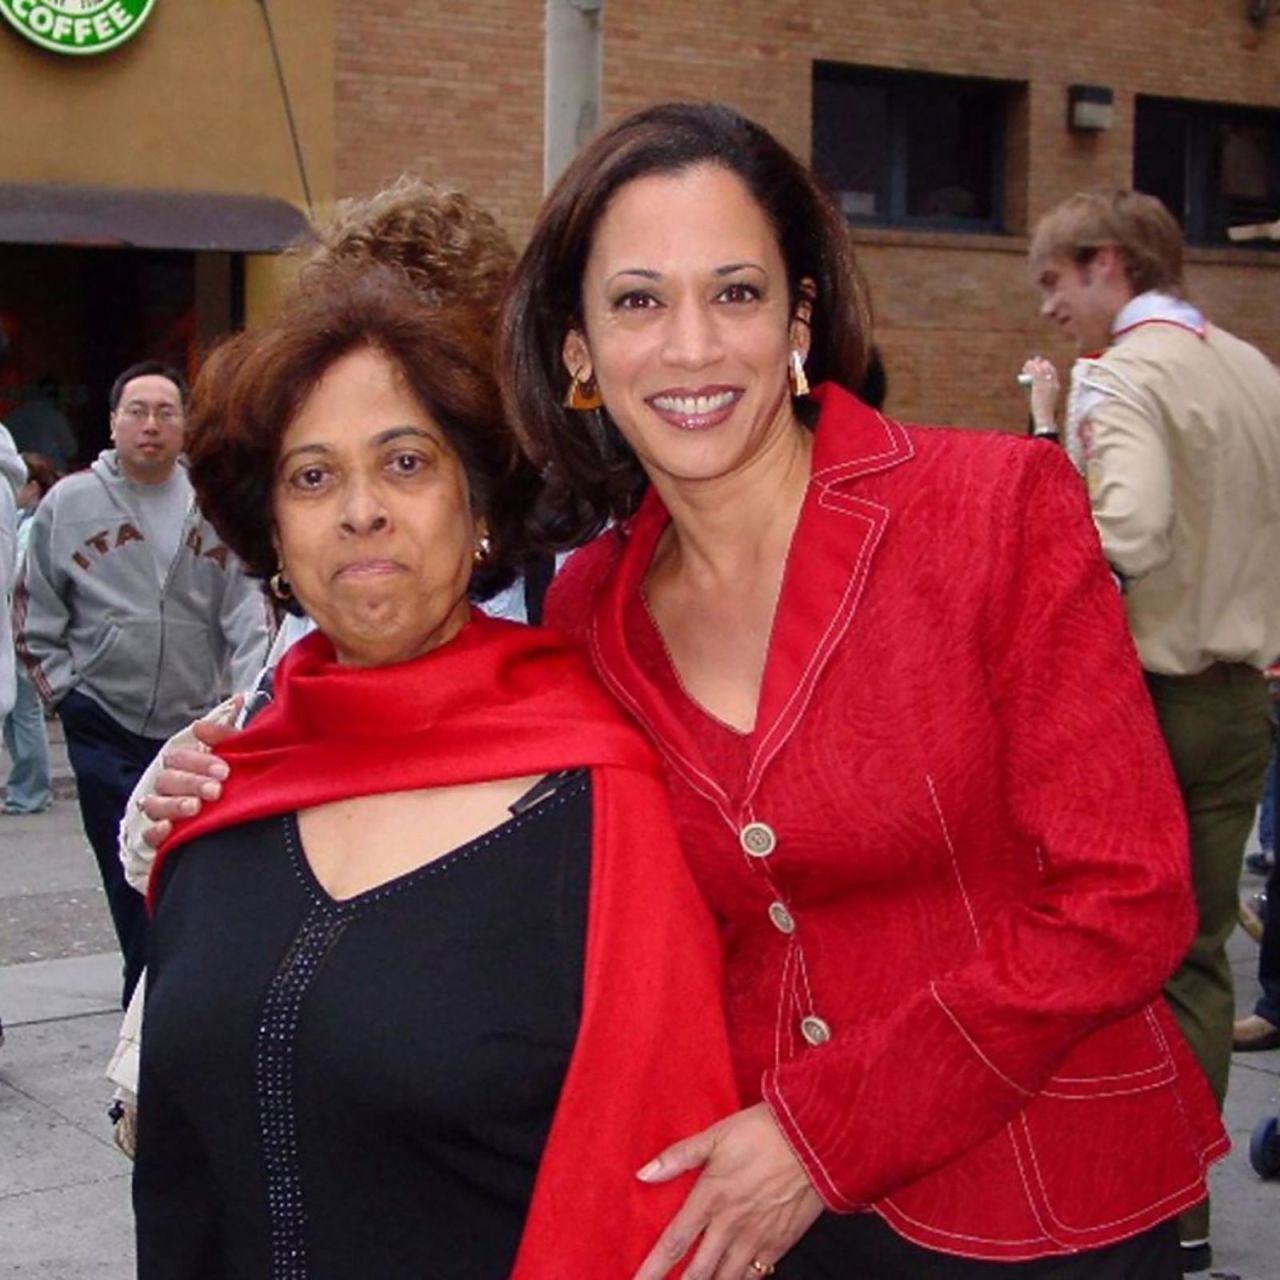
x,y
1128,1056
1108,1141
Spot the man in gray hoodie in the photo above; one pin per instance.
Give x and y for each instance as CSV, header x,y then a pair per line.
x,y
132,618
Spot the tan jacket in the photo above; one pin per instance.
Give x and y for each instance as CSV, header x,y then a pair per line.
x,y
1180,439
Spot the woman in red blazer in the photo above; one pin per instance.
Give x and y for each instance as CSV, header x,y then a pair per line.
x,y
913,763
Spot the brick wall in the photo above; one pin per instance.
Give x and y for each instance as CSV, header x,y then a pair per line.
x,y
450,91
455,91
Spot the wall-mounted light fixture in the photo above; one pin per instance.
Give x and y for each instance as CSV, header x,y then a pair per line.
x,y
1089,107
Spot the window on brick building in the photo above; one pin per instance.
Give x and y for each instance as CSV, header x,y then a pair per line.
x,y
1214,166
905,149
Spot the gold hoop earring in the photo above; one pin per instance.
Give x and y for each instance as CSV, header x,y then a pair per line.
x,y
796,375
583,395
280,586
484,549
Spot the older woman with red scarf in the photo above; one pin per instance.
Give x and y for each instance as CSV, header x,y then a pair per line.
x,y
432,979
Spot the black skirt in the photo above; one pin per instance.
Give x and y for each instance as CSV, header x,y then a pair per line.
x,y
862,1246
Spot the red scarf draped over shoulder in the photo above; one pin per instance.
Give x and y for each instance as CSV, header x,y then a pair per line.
x,y
651,1061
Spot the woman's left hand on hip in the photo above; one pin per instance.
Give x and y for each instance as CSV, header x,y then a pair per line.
x,y
751,1204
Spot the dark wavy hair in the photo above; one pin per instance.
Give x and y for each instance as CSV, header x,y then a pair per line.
x,y
591,474
253,384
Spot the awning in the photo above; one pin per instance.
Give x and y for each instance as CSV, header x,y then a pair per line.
x,y
133,218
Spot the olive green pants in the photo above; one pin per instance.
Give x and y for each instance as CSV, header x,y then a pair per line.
x,y
1217,728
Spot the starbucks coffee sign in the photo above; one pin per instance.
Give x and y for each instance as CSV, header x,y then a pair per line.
x,y
77,27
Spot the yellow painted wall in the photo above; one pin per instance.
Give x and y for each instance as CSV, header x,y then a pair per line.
x,y
266,281
192,102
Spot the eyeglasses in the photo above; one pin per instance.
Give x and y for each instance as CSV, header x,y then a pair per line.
x,y
164,414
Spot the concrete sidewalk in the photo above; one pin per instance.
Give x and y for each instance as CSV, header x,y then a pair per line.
x,y
64,1189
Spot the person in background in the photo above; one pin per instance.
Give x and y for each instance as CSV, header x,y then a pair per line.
x,y
1175,425
13,475
1261,861
28,788
39,425
1260,1029
132,617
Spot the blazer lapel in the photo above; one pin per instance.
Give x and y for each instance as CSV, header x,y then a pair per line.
x,y
828,564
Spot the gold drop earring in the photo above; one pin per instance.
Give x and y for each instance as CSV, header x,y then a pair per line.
x,y
583,395
796,375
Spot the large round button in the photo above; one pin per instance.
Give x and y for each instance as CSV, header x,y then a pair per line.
x,y
757,839
781,918
815,1030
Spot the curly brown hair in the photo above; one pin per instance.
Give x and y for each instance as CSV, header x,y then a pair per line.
x,y
413,247
451,249
254,384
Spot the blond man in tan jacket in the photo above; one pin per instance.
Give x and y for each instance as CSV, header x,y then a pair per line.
x,y
1175,425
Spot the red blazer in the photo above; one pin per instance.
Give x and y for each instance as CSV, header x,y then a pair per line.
x,y
977,844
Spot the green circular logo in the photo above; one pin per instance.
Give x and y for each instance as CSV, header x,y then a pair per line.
x,y
78,27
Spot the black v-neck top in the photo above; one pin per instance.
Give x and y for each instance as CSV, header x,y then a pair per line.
x,y
333,1089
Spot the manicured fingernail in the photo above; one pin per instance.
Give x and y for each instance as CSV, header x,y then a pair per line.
x,y
650,1171
187,806
219,769
210,790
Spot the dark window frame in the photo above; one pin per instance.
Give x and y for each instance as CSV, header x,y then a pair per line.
x,y
1203,212
901,89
